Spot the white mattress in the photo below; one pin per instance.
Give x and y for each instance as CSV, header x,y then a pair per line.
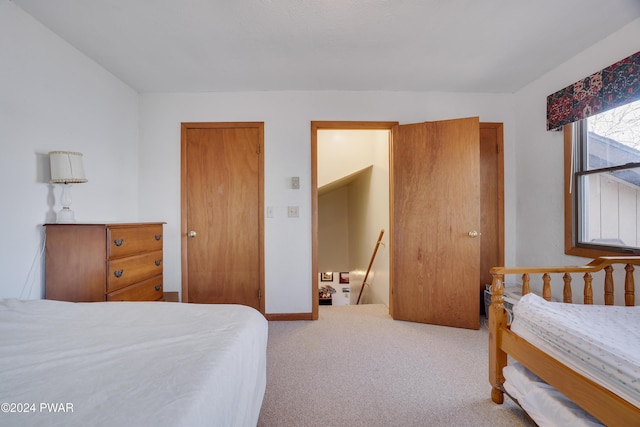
x,y
546,405
131,363
600,342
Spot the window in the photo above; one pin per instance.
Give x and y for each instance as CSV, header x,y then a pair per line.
x,y
604,184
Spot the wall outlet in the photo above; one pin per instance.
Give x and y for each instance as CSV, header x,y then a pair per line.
x,y
293,211
295,182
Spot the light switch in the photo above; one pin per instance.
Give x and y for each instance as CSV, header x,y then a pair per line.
x,y
295,182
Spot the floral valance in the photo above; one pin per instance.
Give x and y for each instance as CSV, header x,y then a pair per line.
x,y
616,85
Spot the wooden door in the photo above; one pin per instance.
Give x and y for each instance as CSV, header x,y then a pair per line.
x,y
436,211
491,202
222,220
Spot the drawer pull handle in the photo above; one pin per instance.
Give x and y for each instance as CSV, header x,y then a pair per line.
x,y
158,236
118,242
158,262
118,273
158,287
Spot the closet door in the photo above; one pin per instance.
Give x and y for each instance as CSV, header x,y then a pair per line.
x,y
222,205
436,223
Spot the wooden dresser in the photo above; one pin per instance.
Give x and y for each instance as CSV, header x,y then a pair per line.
x,y
104,262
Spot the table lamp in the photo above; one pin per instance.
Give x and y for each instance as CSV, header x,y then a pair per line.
x,y
66,169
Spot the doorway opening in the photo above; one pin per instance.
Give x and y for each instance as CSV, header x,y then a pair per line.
x,y
350,205
491,204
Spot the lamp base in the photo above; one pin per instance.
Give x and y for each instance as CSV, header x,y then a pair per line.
x,y
65,216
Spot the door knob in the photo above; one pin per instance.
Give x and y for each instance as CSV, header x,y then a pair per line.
x,y
473,234
191,234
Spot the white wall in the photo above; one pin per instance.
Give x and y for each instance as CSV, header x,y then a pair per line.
x,y
539,201
333,230
52,97
368,214
287,117
539,153
343,152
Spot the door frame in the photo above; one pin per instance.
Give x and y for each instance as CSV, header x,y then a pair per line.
x,y
341,125
499,128
184,127
393,129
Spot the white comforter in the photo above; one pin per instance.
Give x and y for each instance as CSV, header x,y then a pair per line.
x,y
125,364
600,342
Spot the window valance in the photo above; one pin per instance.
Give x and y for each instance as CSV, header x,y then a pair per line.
x,y
616,85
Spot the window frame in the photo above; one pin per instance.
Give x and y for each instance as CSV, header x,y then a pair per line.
x,y
571,212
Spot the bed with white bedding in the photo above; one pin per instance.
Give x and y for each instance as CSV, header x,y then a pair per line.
x,y
542,402
130,363
580,337
565,363
600,342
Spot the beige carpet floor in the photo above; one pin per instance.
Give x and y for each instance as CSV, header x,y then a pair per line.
x,y
355,366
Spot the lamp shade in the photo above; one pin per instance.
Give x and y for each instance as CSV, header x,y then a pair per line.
x,y
66,167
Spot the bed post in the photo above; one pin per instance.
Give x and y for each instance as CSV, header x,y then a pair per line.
x,y
526,286
567,292
608,285
497,320
588,289
546,286
629,286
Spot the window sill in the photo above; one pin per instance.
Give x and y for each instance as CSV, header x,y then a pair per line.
x,y
595,253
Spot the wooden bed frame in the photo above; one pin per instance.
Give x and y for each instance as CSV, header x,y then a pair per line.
x,y
606,406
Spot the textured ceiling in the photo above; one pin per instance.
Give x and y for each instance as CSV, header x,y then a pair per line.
x,y
401,45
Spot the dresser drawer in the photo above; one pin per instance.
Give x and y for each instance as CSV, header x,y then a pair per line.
x,y
125,241
122,272
149,290
82,260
